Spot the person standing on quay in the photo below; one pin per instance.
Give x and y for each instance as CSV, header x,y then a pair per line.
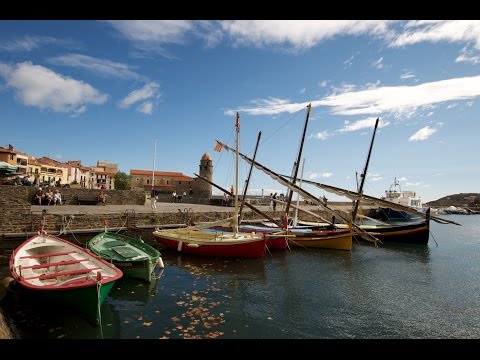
x,y
153,199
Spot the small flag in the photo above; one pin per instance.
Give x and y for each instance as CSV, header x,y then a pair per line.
x,y
218,146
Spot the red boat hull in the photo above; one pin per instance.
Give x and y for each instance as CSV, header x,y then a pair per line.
x,y
251,249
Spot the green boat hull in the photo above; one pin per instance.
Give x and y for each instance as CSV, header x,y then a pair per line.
x,y
135,258
84,301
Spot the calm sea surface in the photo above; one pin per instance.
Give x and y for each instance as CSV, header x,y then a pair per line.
x,y
390,292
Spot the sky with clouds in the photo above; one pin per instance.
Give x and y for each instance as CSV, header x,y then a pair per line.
x,y
111,90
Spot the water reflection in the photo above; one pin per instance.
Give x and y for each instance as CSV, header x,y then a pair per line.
x,y
248,268
130,291
419,252
35,320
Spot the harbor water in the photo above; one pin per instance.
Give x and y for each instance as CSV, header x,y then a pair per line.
x,y
390,292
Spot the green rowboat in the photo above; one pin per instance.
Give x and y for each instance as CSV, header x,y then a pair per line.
x,y
135,258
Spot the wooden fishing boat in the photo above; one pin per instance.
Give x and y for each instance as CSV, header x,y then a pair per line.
x,y
191,240
134,257
212,243
60,273
322,238
325,239
277,238
416,232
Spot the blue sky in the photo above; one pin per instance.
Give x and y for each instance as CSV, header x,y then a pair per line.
x,y
105,90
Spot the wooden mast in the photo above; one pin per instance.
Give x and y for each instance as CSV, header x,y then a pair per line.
x,y
235,217
297,163
363,176
248,179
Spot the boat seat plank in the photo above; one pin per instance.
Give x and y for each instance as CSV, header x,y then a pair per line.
x,y
125,251
63,273
38,256
66,262
112,243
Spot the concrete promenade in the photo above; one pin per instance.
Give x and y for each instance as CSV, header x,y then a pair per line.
x,y
162,207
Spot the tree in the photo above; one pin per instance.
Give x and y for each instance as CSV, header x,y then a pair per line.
x,y
122,181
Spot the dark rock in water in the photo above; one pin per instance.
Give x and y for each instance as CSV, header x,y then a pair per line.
x,y
5,332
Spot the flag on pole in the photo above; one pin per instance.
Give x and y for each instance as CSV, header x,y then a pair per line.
x,y
218,146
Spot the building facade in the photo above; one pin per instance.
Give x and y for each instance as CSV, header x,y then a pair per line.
x,y
166,182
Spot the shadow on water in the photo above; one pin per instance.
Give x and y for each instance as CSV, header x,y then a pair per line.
x,y
419,252
38,320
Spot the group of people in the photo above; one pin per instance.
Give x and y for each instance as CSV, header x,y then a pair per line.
x,y
48,196
175,197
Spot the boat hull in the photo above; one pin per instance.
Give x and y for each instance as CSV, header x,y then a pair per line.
x,y
197,243
86,301
61,274
418,233
407,233
135,258
273,242
338,240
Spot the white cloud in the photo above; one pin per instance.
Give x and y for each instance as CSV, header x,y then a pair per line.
x,y
415,184
298,34
378,64
374,177
153,31
270,106
98,66
402,99
39,86
367,123
403,178
397,100
467,31
210,32
422,134
323,83
407,75
302,91
153,36
321,135
430,114
315,175
451,106
146,107
348,63
467,55
149,91
30,43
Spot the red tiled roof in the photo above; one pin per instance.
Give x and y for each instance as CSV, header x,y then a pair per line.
x,y
178,176
183,178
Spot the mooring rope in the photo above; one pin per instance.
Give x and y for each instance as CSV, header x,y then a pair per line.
x,y
99,285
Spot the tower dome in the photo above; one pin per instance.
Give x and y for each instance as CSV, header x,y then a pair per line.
x,y
206,156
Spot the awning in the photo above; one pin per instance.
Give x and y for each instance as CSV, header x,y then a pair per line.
x,y
6,167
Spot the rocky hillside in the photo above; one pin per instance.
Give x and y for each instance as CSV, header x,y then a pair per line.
x,y
470,200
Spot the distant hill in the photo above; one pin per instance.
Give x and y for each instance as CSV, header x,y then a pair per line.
x,y
471,200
